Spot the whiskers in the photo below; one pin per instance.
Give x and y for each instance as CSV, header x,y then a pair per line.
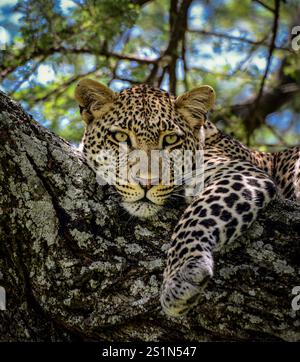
x,y
131,217
175,201
177,195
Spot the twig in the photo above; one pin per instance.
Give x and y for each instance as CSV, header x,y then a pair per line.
x,y
168,59
26,76
266,72
243,74
236,38
185,67
278,135
265,5
106,53
161,77
131,81
60,89
65,50
115,68
244,61
173,16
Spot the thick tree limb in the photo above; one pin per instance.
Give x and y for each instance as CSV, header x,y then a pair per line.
x,y
75,267
178,13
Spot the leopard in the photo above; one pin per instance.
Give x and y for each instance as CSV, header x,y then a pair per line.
x,y
236,181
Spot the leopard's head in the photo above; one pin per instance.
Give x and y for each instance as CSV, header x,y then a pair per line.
x,y
143,129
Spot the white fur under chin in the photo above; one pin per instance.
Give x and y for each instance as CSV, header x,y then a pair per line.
x,y
141,209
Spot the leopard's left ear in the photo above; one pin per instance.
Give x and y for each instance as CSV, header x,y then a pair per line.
x,y
195,104
93,98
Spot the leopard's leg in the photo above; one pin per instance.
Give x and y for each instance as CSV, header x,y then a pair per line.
x,y
223,211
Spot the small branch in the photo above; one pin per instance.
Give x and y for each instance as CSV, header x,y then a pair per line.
x,y
278,136
116,66
236,38
264,5
4,72
161,78
26,76
153,74
60,89
185,67
266,72
271,49
140,2
173,15
106,54
219,74
244,61
131,81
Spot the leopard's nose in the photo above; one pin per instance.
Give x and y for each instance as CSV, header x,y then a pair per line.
x,y
146,186
146,182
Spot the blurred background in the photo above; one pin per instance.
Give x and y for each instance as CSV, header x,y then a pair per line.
x,y
244,49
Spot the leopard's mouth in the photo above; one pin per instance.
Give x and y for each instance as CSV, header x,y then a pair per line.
x,y
143,209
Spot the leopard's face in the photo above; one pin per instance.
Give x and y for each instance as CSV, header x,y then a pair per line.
x,y
132,138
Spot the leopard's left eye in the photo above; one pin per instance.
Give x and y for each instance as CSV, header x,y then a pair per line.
x,y
171,139
121,137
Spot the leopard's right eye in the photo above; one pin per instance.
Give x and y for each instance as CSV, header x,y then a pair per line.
x,y
121,136
171,139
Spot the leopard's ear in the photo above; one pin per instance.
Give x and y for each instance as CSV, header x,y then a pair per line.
x,y
93,98
195,104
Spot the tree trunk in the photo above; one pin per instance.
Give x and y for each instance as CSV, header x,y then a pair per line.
x,y
74,266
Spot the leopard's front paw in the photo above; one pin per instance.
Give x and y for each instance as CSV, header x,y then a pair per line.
x,y
182,289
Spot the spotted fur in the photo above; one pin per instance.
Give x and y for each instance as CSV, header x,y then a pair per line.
x,y
238,182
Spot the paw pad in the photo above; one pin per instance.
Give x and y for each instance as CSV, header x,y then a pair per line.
x,y
183,289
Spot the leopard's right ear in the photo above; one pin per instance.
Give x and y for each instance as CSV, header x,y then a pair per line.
x,y
93,98
195,104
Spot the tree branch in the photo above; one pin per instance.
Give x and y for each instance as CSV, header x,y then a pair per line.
x,y
251,127
61,87
178,26
264,5
237,38
284,89
70,50
74,267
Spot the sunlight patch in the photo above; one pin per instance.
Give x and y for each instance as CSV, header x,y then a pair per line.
x,y
45,74
66,6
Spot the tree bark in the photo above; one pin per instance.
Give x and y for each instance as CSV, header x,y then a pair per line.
x,y
75,267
